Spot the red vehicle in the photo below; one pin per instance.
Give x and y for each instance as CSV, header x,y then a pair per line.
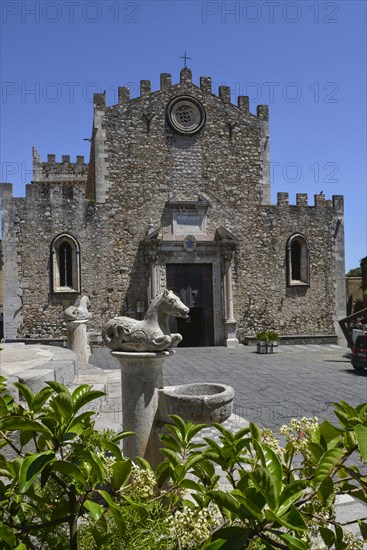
x,y
359,353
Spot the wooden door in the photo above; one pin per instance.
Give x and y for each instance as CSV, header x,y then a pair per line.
x,y
193,283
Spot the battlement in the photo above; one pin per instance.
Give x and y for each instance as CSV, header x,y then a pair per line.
x,y
336,202
51,170
224,93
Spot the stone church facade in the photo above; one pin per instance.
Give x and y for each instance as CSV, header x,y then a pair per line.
x,y
176,194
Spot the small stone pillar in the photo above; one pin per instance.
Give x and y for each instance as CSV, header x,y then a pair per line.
x,y
78,339
231,340
153,277
141,380
77,318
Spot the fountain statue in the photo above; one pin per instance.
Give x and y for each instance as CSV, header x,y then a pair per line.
x,y
150,334
141,347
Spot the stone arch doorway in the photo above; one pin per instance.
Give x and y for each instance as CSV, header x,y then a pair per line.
x,y
193,283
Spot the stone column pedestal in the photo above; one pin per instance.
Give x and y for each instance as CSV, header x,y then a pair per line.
x,y
78,339
231,340
141,379
230,324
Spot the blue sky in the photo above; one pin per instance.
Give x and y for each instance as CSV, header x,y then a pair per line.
x,y
306,59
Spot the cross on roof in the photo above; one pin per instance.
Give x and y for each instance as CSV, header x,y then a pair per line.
x,y
185,58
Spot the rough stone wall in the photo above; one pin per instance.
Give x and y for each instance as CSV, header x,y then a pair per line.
x,y
138,162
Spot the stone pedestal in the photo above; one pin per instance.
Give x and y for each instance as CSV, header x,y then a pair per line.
x,y
141,379
230,324
78,339
231,340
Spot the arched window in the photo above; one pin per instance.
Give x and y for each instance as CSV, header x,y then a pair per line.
x,y
65,264
297,261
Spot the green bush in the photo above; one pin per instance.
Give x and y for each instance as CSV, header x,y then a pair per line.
x,y
69,487
267,336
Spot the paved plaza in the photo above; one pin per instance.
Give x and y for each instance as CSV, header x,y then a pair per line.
x,y
300,380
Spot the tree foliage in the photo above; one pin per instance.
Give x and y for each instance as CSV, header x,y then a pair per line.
x,y
66,485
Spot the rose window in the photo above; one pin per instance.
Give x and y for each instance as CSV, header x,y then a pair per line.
x,y
185,115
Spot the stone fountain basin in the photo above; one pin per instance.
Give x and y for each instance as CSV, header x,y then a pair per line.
x,y
201,402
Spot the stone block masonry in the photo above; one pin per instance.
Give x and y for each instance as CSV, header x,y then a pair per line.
x,y
132,206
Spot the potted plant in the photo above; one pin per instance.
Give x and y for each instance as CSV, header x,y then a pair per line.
x,y
272,344
262,341
267,341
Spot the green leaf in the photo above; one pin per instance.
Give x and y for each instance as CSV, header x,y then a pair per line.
x,y
121,473
193,430
290,494
231,538
63,404
115,511
22,423
179,423
56,386
94,508
216,545
79,391
327,536
316,450
171,443
194,459
292,519
31,467
229,436
226,500
329,431
264,482
326,492
179,472
26,392
87,398
361,434
68,469
121,435
172,457
7,535
97,466
143,463
292,542
363,529
114,449
252,501
326,465
21,547
41,398
191,484
241,433
272,463
255,431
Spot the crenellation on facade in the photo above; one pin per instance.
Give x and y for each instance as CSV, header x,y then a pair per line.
x,y
338,204
282,199
145,88
243,102
225,94
165,81
206,84
319,199
64,171
262,112
99,100
302,199
186,76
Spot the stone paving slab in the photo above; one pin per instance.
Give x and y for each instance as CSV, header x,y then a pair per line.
x,y
300,380
35,363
